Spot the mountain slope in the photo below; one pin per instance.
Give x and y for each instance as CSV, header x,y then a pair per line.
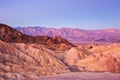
x,y
11,35
104,58
23,56
19,61
74,35
92,58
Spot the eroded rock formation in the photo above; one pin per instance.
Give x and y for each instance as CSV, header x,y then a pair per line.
x,y
23,56
8,34
18,61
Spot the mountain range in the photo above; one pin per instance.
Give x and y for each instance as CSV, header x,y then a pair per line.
x,y
23,56
74,35
11,35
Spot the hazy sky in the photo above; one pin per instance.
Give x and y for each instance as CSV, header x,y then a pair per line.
x,y
84,14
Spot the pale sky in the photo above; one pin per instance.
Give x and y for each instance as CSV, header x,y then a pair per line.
x,y
83,14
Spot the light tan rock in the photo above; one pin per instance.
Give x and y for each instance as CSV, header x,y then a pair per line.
x,y
104,58
27,60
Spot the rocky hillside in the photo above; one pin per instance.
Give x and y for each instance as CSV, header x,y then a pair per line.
x,y
103,58
19,61
75,35
23,56
92,58
11,35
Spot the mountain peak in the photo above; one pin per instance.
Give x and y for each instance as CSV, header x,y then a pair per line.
x,y
8,34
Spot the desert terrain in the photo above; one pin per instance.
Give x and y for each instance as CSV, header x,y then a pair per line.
x,y
25,57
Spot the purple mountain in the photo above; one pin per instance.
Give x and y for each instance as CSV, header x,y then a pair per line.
x,y
75,35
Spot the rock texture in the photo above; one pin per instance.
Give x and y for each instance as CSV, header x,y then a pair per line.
x,y
92,58
19,61
11,35
75,35
23,56
103,58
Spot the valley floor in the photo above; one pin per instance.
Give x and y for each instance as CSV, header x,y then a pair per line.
x,y
81,76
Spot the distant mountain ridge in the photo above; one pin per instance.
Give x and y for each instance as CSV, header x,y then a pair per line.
x,y
23,56
74,35
8,34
